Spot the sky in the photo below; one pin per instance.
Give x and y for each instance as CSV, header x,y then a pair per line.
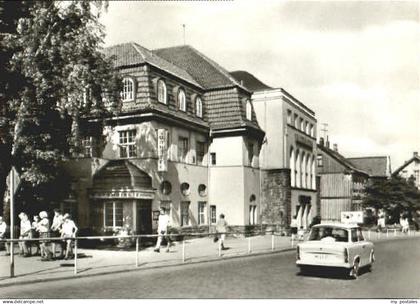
x,y
355,63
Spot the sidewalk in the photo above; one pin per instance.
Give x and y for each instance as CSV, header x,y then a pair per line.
x,y
96,262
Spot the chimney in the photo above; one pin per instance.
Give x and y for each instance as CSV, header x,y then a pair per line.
x,y
416,154
335,147
321,141
327,143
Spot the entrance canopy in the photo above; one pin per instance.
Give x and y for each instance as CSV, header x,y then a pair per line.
x,y
122,179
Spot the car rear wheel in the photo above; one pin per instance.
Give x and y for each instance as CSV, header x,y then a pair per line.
x,y
354,271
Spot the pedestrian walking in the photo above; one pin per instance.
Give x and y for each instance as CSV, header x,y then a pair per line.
x,y
68,230
221,229
55,232
25,234
301,233
163,223
3,234
293,228
35,234
44,232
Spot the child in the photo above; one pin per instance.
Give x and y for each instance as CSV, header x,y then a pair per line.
x,y
68,230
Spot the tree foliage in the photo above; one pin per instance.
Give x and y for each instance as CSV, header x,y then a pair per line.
x,y
63,78
395,195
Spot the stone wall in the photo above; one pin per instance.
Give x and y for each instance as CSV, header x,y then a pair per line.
x,y
276,197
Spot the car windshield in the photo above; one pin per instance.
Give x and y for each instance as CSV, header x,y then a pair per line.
x,y
334,234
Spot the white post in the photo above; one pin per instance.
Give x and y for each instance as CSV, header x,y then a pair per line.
x,y
183,251
75,256
387,233
137,252
12,220
272,242
220,248
395,232
369,234
249,245
292,239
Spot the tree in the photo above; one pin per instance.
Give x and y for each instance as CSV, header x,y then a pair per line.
x,y
65,79
395,195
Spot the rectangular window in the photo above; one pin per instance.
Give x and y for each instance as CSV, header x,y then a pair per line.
x,y
213,158
201,213
252,214
289,117
307,128
312,130
183,148
201,151
213,216
296,121
417,175
113,214
301,125
185,213
250,153
127,143
87,146
319,160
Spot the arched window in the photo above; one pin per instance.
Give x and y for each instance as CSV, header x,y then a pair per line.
x,y
199,107
248,110
313,173
303,166
127,93
182,104
308,172
292,167
298,180
161,90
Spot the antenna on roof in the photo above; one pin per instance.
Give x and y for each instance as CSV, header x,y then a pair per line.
x,y
325,129
183,26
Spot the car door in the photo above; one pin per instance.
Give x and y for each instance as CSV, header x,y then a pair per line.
x,y
365,248
355,247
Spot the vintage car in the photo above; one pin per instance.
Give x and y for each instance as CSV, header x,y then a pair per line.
x,y
335,245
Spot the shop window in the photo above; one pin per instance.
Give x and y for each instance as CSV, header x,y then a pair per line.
x,y
201,213
200,151
202,190
213,216
127,143
185,213
113,214
165,188
161,90
127,93
182,103
213,158
199,107
185,189
183,148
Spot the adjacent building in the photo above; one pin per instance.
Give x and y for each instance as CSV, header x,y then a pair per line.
x,y
410,169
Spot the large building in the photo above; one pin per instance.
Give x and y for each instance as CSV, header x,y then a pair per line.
x,y
191,137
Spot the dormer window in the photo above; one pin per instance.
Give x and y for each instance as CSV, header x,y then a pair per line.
x,y
182,104
127,93
199,107
248,110
161,91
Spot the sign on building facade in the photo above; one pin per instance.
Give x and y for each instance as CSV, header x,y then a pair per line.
x,y
162,145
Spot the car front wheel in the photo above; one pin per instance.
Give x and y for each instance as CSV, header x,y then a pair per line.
x,y
354,271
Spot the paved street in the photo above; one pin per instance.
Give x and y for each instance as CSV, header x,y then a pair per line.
x,y
395,275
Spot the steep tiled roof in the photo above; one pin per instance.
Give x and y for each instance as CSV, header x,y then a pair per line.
x,y
341,159
415,158
374,165
207,72
251,82
130,54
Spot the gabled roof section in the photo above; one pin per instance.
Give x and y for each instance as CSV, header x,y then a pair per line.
x,y
208,73
376,166
415,158
132,54
251,82
341,159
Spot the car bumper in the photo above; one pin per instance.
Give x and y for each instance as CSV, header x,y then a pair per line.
x,y
318,264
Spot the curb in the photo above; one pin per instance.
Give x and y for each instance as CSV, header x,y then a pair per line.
x,y
177,264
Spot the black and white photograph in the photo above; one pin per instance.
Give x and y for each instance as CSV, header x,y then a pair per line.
x,y
210,150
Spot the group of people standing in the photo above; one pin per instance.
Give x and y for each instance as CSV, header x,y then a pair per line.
x,y
62,226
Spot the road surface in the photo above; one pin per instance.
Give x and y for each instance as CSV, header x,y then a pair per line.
x,y
396,274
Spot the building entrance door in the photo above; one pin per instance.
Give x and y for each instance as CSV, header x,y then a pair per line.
x,y
144,216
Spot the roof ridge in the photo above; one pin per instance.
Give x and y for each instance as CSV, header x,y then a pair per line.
x,y
342,159
137,47
405,164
